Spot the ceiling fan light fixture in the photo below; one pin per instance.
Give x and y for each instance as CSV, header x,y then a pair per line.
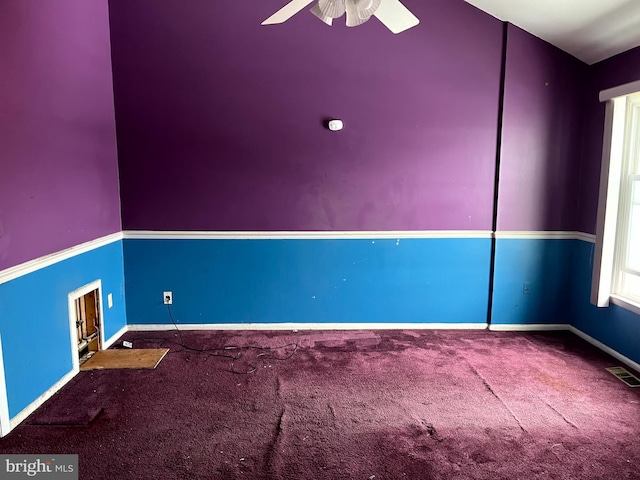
x,y
332,8
391,13
358,11
366,8
318,13
353,15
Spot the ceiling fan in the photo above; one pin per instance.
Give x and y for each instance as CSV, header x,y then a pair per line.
x,y
393,14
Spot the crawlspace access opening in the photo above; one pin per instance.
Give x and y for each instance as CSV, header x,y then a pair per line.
x,y
88,325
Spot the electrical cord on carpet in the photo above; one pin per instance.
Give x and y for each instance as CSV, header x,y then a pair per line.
x,y
265,352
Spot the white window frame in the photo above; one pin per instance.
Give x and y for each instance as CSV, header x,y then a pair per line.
x,y
609,243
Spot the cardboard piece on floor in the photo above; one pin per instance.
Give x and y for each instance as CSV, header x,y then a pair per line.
x,y
129,358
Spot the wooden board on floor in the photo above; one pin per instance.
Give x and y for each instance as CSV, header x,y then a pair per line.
x,y
129,358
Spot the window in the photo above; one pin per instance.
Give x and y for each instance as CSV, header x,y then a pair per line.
x,y
626,271
617,255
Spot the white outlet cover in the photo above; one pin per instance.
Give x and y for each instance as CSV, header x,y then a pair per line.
x,y
164,298
110,300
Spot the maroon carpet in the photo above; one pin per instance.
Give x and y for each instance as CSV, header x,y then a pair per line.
x,y
352,405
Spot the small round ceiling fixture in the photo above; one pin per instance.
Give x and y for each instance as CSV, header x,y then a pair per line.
x,y
335,125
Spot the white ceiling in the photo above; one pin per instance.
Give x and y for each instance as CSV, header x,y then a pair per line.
x,y
590,30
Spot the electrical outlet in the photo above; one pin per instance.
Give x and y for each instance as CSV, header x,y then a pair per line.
x,y
526,288
110,300
168,298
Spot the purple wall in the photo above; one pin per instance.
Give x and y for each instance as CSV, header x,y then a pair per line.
x,y
59,179
220,120
618,70
542,134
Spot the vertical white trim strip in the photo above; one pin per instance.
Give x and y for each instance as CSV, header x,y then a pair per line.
x,y
5,424
610,171
102,319
73,333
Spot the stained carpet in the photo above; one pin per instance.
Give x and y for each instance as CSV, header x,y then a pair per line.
x,y
348,405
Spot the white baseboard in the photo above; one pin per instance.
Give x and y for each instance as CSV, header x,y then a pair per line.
x,y
528,327
33,406
310,326
615,354
115,337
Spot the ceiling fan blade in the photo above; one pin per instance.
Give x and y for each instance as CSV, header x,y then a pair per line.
x,y
395,16
318,13
286,12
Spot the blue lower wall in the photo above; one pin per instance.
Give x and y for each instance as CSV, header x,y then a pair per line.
x,y
34,320
545,265
308,281
301,281
614,326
